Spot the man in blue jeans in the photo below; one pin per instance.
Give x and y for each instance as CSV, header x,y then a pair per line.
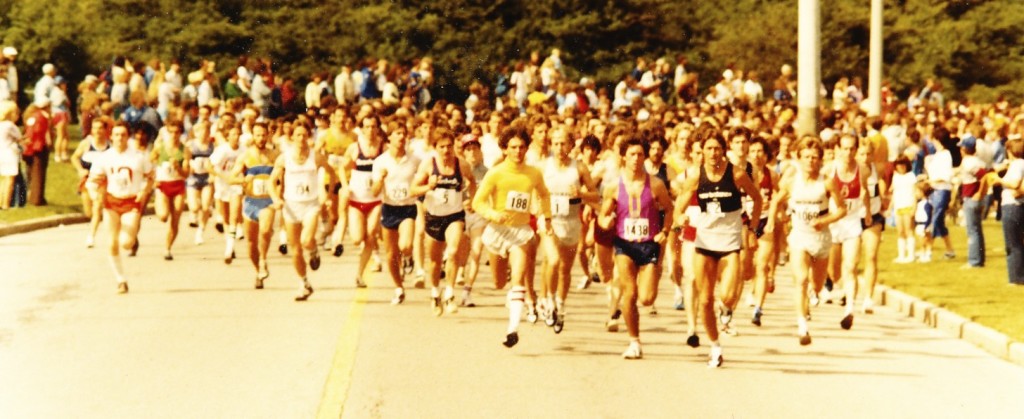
x,y
971,171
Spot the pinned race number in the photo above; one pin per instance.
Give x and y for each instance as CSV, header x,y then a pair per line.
x,y
398,192
517,201
559,205
714,209
259,186
636,229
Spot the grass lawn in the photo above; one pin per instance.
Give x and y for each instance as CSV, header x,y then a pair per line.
x,y
61,189
981,295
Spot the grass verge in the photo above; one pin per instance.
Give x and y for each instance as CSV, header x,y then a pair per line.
x,y
61,190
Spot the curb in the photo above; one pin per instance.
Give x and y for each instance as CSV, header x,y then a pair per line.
x,y
953,324
41,223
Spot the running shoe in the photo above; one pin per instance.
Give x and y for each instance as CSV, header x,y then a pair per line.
x,y
90,241
377,266
584,283
360,283
715,359
407,266
168,256
199,237
314,260
259,282
925,258
399,296
467,301
693,341
869,306
219,227
511,339
805,339
847,322
531,314
550,316
949,255
654,310
304,294
450,307
612,325
193,224
339,249
122,287
679,304
227,258
435,306
559,322
633,351
283,248
757,317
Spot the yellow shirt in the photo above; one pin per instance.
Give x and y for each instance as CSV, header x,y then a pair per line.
x,y
880,150
507,189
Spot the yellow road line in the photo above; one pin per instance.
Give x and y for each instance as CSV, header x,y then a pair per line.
x,y
332,404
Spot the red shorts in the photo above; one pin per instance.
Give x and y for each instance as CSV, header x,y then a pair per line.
x,y
689,234
364,207
60,117
603,237
171,188
122,206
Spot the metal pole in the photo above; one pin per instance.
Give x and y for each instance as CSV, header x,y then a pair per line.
x,y
808,66
875,62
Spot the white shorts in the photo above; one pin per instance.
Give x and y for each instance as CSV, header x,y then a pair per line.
x,y
474,221
297,212
847,228
225,191
567,230
817,244
499,239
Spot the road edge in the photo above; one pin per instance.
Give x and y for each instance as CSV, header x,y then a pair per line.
x,y
27,226
952,324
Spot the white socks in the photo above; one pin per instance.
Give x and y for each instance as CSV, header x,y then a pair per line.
x,y
901,248
516,297
115,262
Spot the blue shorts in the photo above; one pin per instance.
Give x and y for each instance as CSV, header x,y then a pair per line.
x,y
642,253
198,181
876,220
940,203
391,216
251,207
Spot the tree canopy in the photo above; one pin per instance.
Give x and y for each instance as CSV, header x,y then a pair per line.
x,y
972,48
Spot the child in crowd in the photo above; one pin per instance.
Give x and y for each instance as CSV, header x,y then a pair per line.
x,y
903,190
922,220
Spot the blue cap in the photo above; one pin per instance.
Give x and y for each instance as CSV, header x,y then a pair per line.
x,y
59,80
967,142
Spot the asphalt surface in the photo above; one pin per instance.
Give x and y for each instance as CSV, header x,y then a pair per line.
x,y
194,339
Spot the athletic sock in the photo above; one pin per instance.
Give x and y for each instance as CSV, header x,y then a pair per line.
x,y
516,297
901,248
115,262
449,293
911,247
434,293
560,305
801,325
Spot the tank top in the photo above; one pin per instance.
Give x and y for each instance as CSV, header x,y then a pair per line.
x,y
200,158
850,191
91,154
636,220
720,223
257,184
362,177
764,185
446,198
165,163
808,200
561,183
300,179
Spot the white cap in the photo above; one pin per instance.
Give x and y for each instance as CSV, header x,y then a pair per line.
x,y
727,75
42,101
89,78
10,51
48,68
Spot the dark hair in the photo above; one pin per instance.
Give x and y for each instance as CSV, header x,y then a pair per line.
x,y
714,137
1015,148
592,142
769,151
635,141
902,160
516,130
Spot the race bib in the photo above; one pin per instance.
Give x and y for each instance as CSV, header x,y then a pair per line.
x,y
303,189
713,208
517,201
199,164
805,213
259,186
441,196
398,192
636,229
559,205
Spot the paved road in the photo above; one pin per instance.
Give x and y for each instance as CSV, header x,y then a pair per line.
x,y
193,339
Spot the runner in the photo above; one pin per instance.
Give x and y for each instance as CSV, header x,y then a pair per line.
x,y
252,171
504,200
720,229
473,155
808,193
656,166
639,234
760,154
295,194
570,185
608,170
364,205
124,177
172,161
851,179
336,139
684,251
447,182
871,237
732,287
589,150
393,173
200,190
228,196
88,150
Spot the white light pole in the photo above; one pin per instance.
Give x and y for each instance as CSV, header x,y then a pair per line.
x,y
875,61
808,66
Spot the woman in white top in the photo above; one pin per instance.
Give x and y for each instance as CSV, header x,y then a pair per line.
x,y
296,177
807,194
1013,211
939,168
393,173
10,150
447,182
227,195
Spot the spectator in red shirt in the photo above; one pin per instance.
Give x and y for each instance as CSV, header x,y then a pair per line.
x,y
38,140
